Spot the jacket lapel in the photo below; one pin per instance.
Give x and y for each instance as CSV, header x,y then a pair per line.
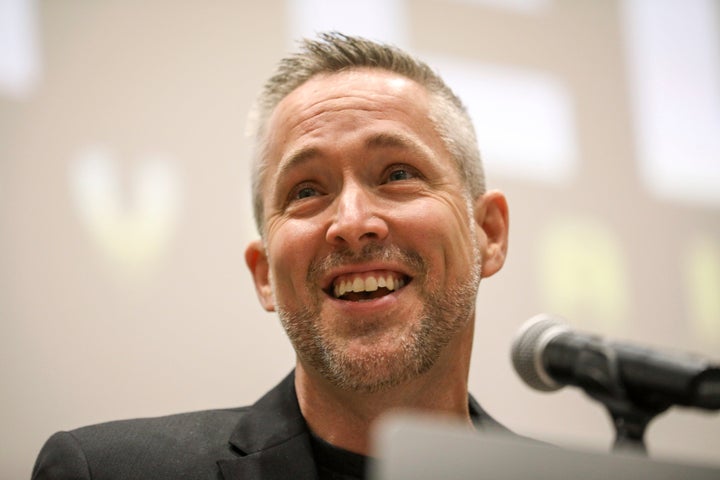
x,y
272,440
292,459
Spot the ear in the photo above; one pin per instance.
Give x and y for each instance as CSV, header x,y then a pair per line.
x,y
491,215
257,261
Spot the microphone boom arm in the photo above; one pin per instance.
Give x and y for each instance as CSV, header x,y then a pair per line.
x,y
598,374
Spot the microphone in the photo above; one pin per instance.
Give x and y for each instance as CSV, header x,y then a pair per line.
x,y
548,355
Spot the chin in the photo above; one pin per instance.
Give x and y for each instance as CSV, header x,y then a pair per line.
x,y
371,367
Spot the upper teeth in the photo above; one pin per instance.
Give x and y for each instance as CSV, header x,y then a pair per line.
x,y
368,284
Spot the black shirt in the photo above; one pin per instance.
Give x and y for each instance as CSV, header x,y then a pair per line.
x,y
334,463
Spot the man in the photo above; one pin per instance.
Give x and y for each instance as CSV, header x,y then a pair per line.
x,y
375,232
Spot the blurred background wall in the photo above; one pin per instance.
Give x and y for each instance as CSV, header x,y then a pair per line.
x,y
125,204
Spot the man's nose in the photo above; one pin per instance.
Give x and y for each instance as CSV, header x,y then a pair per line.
x,y
357,219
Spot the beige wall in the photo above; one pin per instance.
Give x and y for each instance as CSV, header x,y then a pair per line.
x,y
100,321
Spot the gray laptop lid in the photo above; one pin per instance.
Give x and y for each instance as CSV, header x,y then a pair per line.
x,y
417,448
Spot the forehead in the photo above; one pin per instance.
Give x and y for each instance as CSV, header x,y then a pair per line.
x,y
374,88
362,101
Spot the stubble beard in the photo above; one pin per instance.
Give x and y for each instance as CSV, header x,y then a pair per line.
x,y
443,315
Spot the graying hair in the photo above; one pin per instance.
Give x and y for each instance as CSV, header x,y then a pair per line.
x,y
334,52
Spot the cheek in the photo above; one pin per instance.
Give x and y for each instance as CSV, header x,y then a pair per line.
x,y
285,238
291,247
440,222
440,231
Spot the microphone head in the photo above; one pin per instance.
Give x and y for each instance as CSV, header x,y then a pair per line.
x,y
527,349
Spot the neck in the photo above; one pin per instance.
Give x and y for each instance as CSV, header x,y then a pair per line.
x,y
345,418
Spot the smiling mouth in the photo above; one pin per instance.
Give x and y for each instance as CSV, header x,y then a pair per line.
x,y
363,287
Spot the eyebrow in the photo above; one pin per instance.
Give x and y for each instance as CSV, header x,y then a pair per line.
x,y
392,140
375,141
296,158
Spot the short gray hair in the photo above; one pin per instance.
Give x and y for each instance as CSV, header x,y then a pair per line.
x,y
334,52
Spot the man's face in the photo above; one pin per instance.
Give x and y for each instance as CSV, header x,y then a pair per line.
x,y
372,255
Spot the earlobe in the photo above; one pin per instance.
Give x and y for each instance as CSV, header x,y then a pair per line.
x,y
491,214
257,261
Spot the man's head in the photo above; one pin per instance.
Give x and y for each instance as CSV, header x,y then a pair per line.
x,y
332,53
374,238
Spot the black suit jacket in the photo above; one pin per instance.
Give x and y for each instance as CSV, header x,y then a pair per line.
x,y
268,440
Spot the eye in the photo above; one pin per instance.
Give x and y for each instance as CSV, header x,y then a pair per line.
x,y
305,192
400,172
302,191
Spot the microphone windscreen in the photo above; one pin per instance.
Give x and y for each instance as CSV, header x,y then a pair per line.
x,y
527,349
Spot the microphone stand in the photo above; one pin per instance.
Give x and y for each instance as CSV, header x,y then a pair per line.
x,y
598,373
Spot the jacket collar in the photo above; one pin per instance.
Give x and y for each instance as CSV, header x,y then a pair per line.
x,y
272,439
482,421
